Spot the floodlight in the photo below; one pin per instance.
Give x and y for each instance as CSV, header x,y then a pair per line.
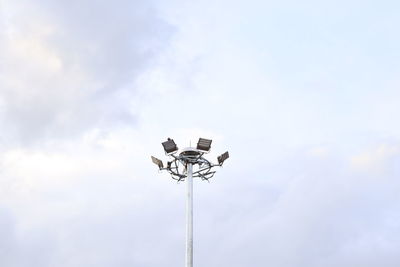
x,y
157,162
185,165
223,157
204,144
169,146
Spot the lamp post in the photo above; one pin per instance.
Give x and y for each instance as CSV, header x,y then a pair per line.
x,y
189,163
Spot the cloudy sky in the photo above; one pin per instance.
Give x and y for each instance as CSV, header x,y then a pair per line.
x,y
304,95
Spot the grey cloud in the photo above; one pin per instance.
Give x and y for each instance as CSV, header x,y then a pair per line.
x,y
97,49
114,41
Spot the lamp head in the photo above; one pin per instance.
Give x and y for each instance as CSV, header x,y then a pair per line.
x,y
204,144
223,157
170,146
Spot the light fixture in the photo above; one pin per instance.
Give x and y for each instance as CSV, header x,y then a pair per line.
x,y
169,146
223,157
204,144
157,162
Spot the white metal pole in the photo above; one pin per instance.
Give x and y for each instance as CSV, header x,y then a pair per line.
x,y
189,218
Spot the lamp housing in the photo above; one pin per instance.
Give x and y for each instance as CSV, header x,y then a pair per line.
x,y
204,144
223,157
169,146
158,162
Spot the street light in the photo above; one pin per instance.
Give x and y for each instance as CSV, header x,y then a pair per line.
x,y
186,165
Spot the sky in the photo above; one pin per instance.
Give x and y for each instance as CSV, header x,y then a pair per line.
x,y
304,95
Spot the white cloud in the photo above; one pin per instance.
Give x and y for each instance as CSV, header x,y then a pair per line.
x,y
88,90
376,159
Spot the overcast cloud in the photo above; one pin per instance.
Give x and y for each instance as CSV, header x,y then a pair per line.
x,y
67,66
303,95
